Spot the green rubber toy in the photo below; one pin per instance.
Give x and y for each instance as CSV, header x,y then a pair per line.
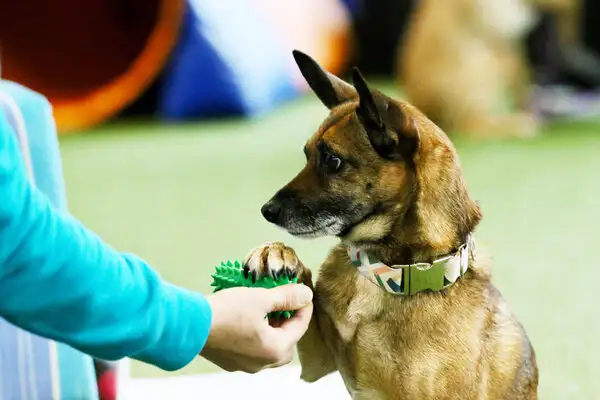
x,y
231,274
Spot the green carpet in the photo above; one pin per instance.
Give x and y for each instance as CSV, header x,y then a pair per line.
x,y
187,196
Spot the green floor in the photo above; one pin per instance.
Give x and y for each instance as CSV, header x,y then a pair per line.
x,y
186,197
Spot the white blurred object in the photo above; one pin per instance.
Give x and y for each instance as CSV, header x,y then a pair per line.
x,y
557,101
123,377
507,18
271,384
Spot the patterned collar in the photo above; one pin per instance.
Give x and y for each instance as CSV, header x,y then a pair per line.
x,y
414,278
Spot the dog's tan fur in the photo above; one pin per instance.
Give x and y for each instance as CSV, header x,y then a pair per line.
x,y
460,343
462,64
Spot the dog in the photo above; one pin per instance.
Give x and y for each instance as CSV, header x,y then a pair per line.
x,y
462,63
403,306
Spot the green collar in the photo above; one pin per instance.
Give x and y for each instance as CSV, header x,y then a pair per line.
x,y
413,278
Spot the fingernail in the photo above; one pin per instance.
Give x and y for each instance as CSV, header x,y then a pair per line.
x,y
305,295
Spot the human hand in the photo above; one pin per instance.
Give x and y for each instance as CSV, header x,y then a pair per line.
x,y
242,339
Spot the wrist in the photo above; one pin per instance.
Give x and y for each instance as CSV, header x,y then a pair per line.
x,y
214,332
186,327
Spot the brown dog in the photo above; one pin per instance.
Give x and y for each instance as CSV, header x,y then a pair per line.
x,y
462,64
387,181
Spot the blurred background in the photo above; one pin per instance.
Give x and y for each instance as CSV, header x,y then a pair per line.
x,y
179,119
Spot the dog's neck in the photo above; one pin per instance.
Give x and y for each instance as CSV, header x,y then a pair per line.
x,y
411,278
411,241
392,251
433,217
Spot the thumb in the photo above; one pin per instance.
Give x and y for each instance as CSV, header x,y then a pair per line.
x,y
288,297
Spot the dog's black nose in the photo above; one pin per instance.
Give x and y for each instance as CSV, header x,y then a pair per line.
x,y
271,211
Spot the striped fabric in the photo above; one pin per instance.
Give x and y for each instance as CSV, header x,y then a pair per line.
x,y
34,368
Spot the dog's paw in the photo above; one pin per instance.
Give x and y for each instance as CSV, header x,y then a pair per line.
x,y
272,259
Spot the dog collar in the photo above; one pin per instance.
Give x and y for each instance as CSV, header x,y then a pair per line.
x,y
413,278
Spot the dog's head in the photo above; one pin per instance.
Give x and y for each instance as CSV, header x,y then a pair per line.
x,y
374,168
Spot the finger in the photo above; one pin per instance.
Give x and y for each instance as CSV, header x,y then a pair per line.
x,y
288,297
292,330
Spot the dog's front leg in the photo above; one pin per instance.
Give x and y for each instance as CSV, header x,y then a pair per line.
x,y
316,359
274,259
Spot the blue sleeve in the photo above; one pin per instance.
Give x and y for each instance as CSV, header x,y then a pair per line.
x,y
61,281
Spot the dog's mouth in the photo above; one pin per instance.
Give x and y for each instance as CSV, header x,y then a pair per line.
x,y
339,227
321,230
347,229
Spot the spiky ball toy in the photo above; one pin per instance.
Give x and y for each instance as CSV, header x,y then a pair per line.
x,y
231,274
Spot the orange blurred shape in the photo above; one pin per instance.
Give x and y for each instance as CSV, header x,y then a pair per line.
x,y
319,28
90,58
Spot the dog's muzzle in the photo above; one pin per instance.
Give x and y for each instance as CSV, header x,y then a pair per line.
x,y
278,209
271,211
287,211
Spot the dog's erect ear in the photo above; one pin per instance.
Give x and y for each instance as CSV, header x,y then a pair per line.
x,y
367,109
388,134
330,89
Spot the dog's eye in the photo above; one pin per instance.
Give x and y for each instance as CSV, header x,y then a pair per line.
x,y
332,163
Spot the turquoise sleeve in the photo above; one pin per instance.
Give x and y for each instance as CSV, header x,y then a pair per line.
x,y
60,280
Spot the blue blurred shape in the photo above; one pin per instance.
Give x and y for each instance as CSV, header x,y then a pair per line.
x,y
229,61
353,6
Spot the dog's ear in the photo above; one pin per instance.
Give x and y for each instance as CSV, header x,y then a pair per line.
x,y
392,135
330,89
367,109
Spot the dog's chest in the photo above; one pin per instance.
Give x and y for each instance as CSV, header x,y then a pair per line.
x,y
383,348
349,324
355,305
361,351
